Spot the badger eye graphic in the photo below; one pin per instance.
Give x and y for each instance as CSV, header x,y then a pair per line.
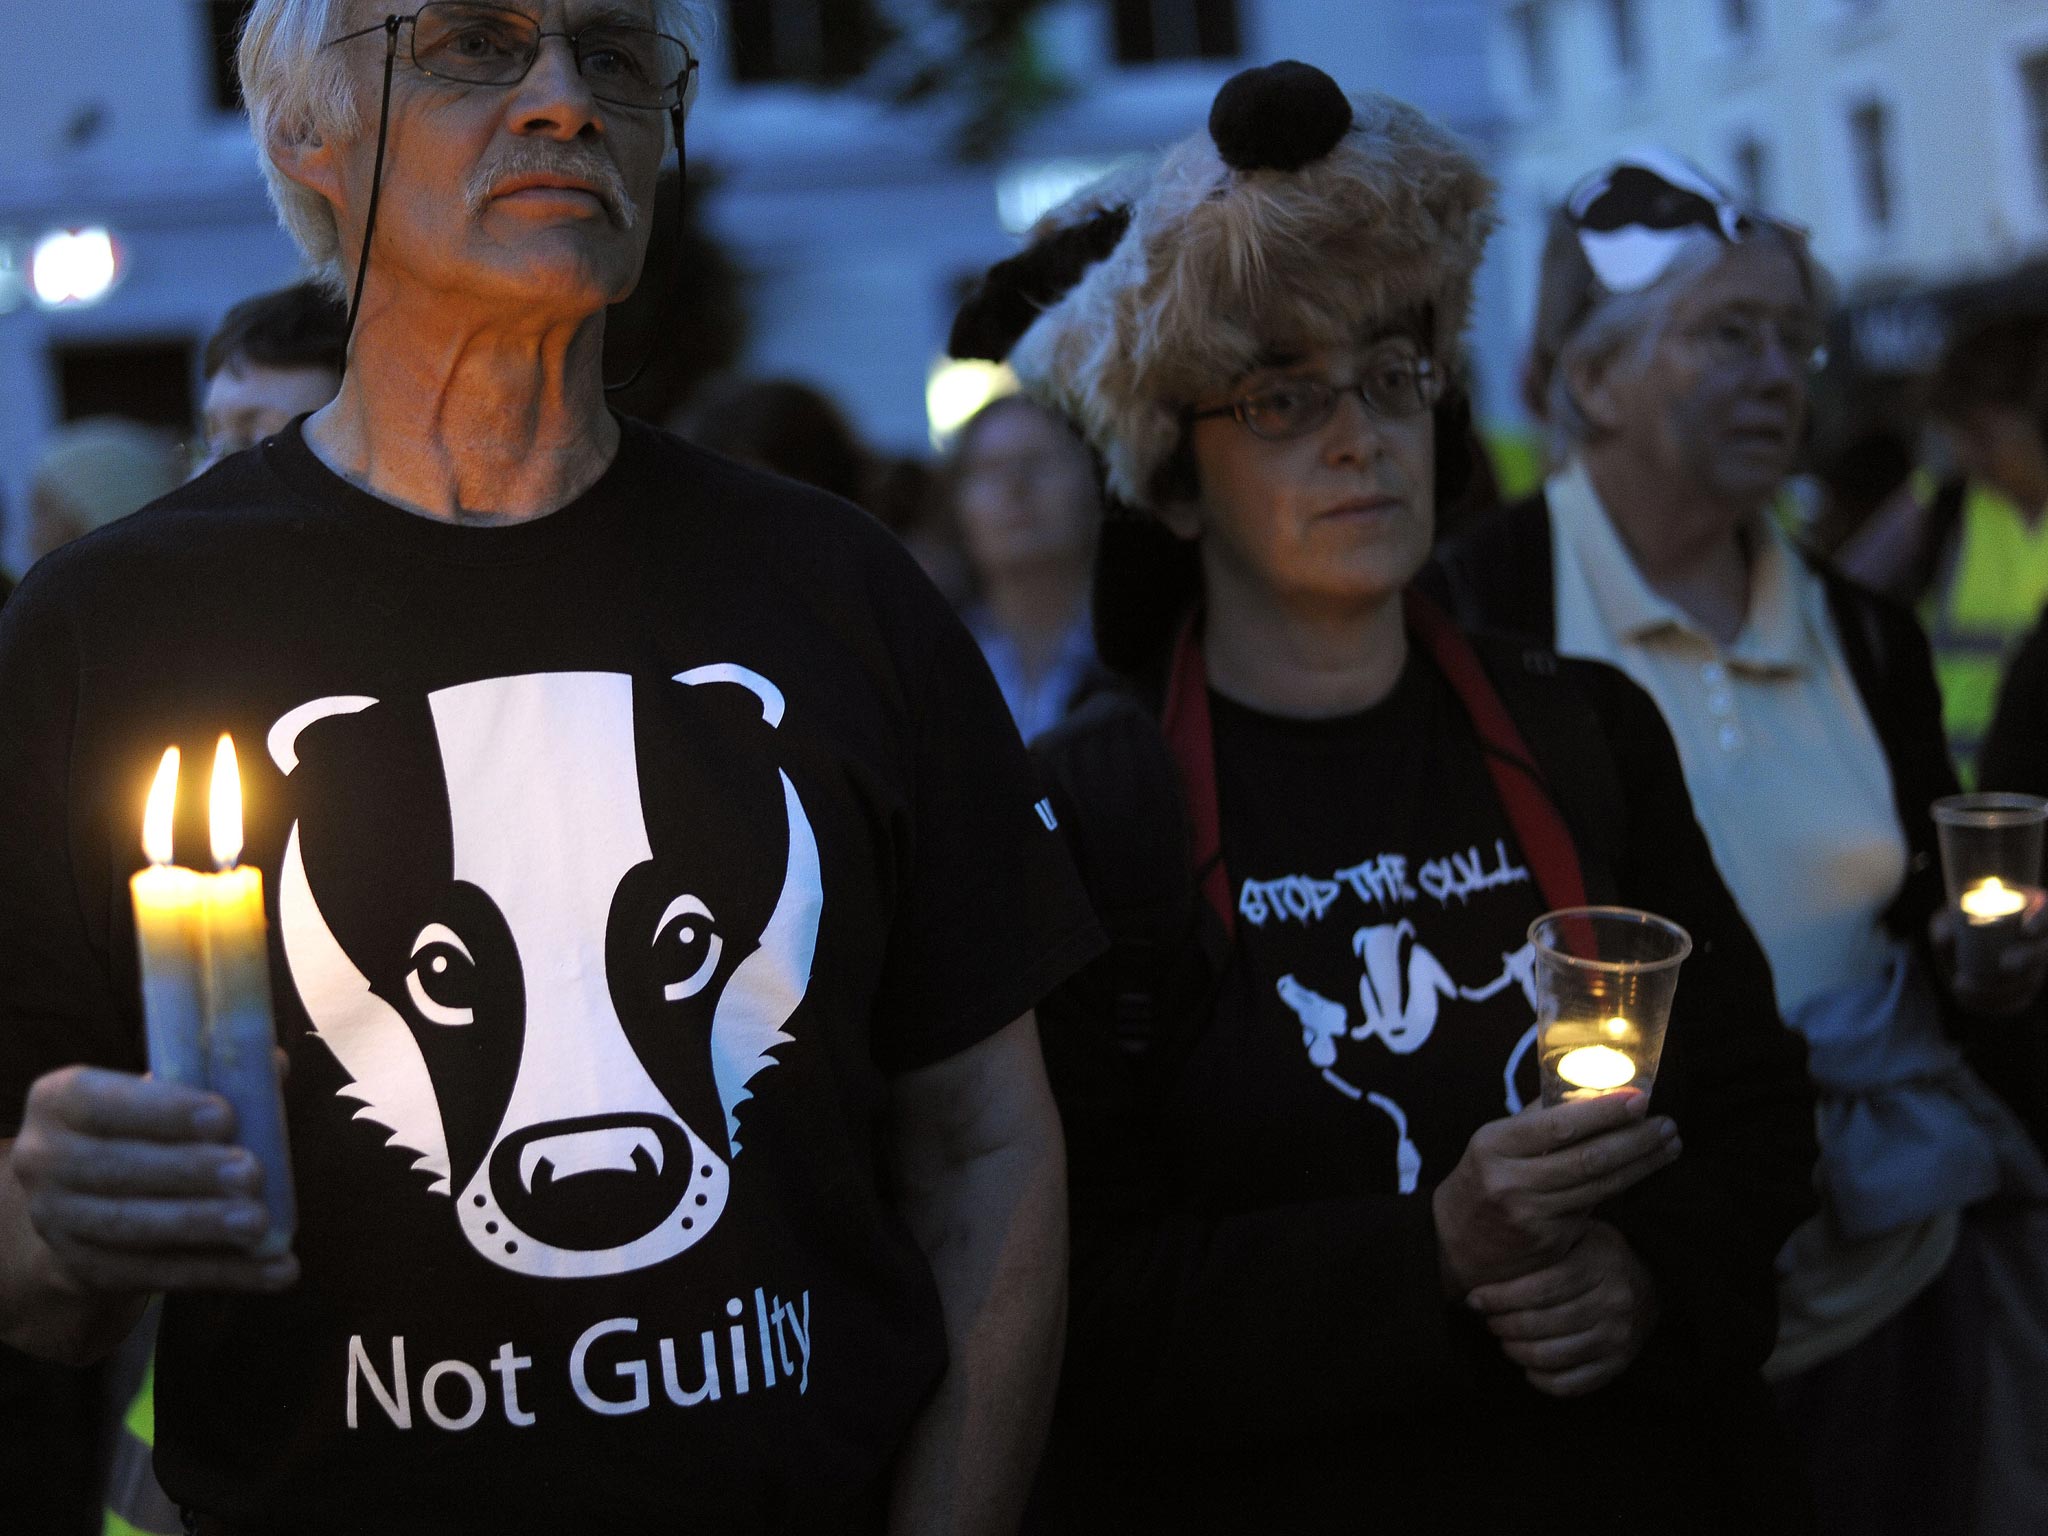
x,y
686,945
442,979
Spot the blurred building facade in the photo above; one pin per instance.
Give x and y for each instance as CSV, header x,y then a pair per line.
x,y
1909,136
858,224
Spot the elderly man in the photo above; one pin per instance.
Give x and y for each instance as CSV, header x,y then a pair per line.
x,y
658,894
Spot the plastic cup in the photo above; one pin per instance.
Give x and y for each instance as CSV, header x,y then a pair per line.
x,y
1991,864
1605,977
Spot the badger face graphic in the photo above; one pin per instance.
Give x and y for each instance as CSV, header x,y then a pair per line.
x,y
549,974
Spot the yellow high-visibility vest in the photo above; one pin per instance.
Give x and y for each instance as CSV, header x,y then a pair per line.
x,y
1993,596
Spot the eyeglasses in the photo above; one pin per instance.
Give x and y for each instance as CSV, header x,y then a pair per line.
x,y
1392,388
467,44
1737,342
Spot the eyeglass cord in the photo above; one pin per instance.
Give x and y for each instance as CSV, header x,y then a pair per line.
x,y
668,300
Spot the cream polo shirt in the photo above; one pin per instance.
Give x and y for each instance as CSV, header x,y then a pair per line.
x,y
1787,777
1793,792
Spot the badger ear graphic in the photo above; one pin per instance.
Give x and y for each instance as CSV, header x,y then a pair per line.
x,y
726,672
283,740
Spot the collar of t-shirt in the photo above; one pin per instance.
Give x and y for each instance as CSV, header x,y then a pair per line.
x,y
1604,603
328,496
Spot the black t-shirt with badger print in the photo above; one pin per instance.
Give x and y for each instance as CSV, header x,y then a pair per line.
x,y
616,862
1377,1009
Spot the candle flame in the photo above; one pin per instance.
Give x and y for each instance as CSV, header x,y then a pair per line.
x,y
1991,898
1596,1066
225,825
157,813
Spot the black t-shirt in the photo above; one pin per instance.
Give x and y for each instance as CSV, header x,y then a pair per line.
x,y
615,861
1377,1010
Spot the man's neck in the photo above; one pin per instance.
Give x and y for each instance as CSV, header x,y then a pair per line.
x,y
466,424
1301,660
1036,607
1688,546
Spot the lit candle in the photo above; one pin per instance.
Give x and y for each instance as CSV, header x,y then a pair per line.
x,y
1991,899
240,1031
167,915
1597,1067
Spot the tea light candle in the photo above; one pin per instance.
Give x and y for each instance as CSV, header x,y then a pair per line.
x,y
1991,899
167,902
1596,1067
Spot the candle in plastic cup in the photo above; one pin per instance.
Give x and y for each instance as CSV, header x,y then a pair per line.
x,y
1991,863
1605,977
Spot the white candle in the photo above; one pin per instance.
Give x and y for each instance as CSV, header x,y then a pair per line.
x,y
240,1031
167,903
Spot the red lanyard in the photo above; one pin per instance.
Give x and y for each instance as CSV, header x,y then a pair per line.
x,y
1538,826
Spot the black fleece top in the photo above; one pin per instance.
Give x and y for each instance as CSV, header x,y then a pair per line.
x,y
1272,1349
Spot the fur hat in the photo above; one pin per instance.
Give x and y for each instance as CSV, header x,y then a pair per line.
x,y
1300,218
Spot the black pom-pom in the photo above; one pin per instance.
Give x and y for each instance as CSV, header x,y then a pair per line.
x,y
1278,117
1015,292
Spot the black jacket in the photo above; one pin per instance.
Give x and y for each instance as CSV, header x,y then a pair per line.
x,y
1295,1367
1498,576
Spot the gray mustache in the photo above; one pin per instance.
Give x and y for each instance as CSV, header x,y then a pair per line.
x,y
573,161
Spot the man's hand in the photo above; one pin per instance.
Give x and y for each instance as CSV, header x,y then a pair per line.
x,y
2021,970
135,1186
1578,1324
1522,1194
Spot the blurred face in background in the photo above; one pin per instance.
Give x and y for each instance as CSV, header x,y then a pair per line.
x,y
1718,401
2002,446
1025,490
246,402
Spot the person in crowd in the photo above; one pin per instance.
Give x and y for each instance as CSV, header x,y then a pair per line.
x,y
274,357
657,898
1808,725
1336,1266
1970,549
94,472
1025,496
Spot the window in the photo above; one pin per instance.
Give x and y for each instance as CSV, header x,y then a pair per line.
x,y
817,41
1626,35
2034,83
1531,24
223,27
1148,31
1752,171
1870,135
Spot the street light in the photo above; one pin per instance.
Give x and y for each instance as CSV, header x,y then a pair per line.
x,y
71,268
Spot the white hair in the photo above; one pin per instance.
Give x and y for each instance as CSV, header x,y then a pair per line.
x,y
297,89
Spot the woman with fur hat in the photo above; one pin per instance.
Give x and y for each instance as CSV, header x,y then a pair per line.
x,y
1335,1268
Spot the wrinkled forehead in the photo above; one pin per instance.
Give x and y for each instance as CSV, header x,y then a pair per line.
x,y
564,15
1761,274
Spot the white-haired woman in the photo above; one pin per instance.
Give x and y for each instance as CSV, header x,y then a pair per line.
x,y
1326,1277
1674,339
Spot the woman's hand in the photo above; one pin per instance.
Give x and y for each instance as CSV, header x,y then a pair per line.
x,y
1578,1324
1524,1191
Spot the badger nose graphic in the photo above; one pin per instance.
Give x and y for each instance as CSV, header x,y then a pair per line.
x,y
597,1182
